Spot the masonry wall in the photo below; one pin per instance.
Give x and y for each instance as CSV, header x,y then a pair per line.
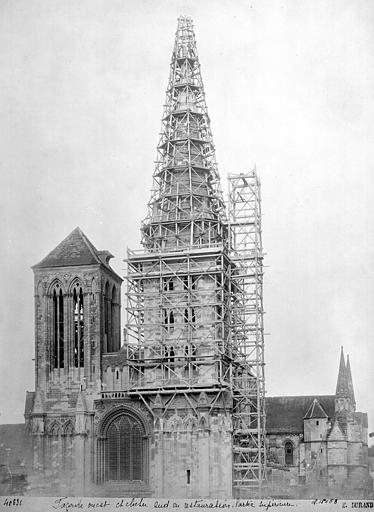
x,y
192,457
92,279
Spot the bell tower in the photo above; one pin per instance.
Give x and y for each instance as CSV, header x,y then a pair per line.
x,y
179,294
77,321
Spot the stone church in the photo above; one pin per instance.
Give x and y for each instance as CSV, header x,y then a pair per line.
x,y
318,443
167,410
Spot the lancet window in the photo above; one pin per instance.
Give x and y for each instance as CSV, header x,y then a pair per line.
x,y
111,318
125,450
58,328
168,320
78,309
288,453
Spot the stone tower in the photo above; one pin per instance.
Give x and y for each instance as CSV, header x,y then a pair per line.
x,y
347,440
175,410
153,416
179,291
77,320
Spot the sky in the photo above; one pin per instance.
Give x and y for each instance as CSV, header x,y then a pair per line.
x,y
289,88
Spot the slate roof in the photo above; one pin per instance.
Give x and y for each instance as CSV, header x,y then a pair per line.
x,y
75,250
286,413
315,411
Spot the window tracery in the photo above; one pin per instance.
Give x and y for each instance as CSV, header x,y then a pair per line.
x,y
125,449
78,311
58,351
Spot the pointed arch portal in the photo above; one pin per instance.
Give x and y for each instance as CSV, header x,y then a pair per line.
x,y
123,451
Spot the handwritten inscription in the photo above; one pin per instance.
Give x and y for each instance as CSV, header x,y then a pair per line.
x,y
12,502
68,504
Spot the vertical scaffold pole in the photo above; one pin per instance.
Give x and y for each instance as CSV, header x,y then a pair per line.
x,y
248,376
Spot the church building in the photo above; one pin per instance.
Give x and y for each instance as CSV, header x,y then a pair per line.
x,y
177,408
318,444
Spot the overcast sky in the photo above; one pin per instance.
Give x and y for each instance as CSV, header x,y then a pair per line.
x,y
289,87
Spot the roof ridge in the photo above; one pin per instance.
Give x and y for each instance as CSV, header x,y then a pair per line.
x,y
89,244
314,405
74,249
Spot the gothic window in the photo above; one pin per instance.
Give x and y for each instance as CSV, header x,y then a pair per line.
x,y
193,282
185,316
168,320
111,318
113,321
288,453
168,285
106,309
125,453
78,327
58,328
171,355
171,321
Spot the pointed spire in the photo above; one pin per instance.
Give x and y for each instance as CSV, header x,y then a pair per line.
x,y
349,381
342,384
186,207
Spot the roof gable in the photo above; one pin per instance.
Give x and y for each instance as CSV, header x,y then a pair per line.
x,y
75,250
336,433
315,411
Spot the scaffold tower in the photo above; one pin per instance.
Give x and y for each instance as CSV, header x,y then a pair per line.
x,y
178,286
248,376
187,352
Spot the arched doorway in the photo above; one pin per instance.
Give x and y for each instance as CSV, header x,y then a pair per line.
x,y
123,449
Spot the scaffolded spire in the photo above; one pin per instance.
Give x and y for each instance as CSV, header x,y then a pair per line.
x,y
195,312
186,208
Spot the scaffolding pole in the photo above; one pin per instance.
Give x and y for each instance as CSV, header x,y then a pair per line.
x,y
247,375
